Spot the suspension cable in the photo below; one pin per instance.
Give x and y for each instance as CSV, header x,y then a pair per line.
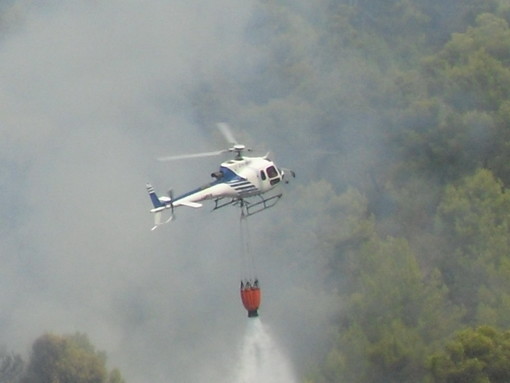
x,y
248,260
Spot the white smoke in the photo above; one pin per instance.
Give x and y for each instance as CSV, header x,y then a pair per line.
x,y
92,92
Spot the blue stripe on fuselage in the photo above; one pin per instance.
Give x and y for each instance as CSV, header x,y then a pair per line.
x,y
228,177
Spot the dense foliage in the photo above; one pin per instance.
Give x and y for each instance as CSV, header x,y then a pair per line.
x,y
409,102
59,359
474,355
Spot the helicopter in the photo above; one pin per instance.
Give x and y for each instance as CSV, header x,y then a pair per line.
x,y
242,181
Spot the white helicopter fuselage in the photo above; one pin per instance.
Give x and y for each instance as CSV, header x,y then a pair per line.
x,y
237,179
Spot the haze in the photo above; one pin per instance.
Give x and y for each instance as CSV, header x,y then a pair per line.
x,y
92,92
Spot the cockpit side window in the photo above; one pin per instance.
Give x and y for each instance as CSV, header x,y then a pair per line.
x,y
263,175
274,176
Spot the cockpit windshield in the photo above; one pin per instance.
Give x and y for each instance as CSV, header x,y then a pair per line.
x,y
272,172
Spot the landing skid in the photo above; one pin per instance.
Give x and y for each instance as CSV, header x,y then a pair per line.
x,y
249,208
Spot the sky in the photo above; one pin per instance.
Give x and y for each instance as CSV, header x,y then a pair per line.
x,y
92,92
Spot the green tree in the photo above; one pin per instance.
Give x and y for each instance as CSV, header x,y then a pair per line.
x,y
67,359
480,355
474,220
472,66
393,316
450,113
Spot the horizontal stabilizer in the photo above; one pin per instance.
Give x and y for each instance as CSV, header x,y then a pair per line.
x,y
189,204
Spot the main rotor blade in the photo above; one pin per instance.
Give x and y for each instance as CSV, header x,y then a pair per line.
x,y
186,156
227,133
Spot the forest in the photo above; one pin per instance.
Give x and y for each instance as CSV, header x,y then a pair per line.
x,y
409,103
403,107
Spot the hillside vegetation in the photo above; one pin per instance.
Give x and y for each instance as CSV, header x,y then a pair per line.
x,y
409,103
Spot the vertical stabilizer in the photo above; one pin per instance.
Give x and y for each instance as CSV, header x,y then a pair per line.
x,y
154,198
